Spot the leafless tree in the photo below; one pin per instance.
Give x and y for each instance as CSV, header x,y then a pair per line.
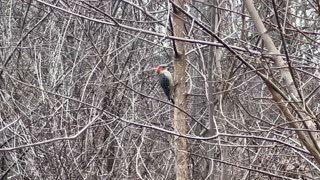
x,y
80,97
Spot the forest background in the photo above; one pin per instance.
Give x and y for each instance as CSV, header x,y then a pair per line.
x,y
80,98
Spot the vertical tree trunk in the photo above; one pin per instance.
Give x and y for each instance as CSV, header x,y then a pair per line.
x,y
214,65
180,123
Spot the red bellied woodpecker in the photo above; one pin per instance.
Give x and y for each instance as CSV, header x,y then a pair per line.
x,y
166,81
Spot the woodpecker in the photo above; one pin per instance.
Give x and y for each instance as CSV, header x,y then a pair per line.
x,y
166,81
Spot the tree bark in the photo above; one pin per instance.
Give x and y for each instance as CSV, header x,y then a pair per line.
x,y
180,123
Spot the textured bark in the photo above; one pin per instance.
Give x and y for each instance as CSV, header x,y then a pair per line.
x,y
180,123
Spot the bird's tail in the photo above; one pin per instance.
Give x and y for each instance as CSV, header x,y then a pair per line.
x,y
171,99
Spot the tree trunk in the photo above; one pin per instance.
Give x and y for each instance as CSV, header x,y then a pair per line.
x,y
180,123
214,65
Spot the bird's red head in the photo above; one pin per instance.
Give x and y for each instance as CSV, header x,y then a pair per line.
x,y
158,69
